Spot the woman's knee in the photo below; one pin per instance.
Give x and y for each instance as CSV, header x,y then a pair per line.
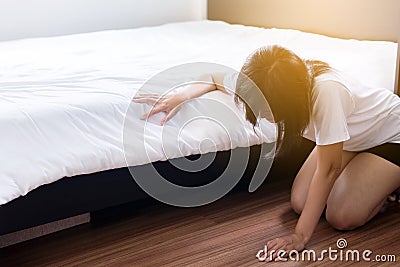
x,y
342,215
341,219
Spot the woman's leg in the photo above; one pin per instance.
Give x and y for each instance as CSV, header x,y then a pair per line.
x,y
361,190
302,181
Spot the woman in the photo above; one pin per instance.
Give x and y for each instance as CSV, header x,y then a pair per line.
x,y
355,164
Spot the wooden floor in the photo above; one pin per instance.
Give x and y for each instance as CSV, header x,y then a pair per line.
x,y
228,232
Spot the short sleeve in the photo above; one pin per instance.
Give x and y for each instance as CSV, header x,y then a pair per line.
x,y
332,104
230,80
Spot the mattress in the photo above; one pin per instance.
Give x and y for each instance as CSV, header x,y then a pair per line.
x,y
64,100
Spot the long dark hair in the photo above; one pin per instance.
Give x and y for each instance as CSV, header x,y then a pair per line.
x,y
285,80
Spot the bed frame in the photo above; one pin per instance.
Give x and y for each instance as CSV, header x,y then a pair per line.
x,y
94,192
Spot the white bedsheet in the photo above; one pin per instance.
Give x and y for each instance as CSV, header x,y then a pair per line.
x,y
63,99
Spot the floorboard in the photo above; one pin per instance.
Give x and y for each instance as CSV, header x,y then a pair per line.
x,y
228,232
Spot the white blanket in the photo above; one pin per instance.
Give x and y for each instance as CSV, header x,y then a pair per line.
x,y
63,99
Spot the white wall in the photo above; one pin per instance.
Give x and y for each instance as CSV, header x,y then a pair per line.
x,y
31,18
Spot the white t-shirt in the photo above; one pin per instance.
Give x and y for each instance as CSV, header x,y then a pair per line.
x,y
345,110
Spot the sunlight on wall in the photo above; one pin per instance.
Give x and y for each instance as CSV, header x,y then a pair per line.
x,y
364,19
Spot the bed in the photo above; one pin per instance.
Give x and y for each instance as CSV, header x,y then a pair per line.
x,y
64,102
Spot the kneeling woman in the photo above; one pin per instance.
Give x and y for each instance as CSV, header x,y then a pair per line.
x,y
356,162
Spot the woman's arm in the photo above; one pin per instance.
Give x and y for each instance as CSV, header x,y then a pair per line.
x,y
171,103
329,160
206,83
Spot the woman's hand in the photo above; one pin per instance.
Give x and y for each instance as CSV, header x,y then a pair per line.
x,y
285,243
170,104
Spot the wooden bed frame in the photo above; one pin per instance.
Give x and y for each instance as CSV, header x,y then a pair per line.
x,y
90,193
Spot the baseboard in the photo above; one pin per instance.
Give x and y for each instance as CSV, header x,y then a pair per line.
x,y
41,230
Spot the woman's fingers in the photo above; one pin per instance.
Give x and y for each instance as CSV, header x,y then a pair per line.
x,y
170,104
144,116
290,247
148,99
274,247
170,115
271,243
281,255
147,95
276,244
153,111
